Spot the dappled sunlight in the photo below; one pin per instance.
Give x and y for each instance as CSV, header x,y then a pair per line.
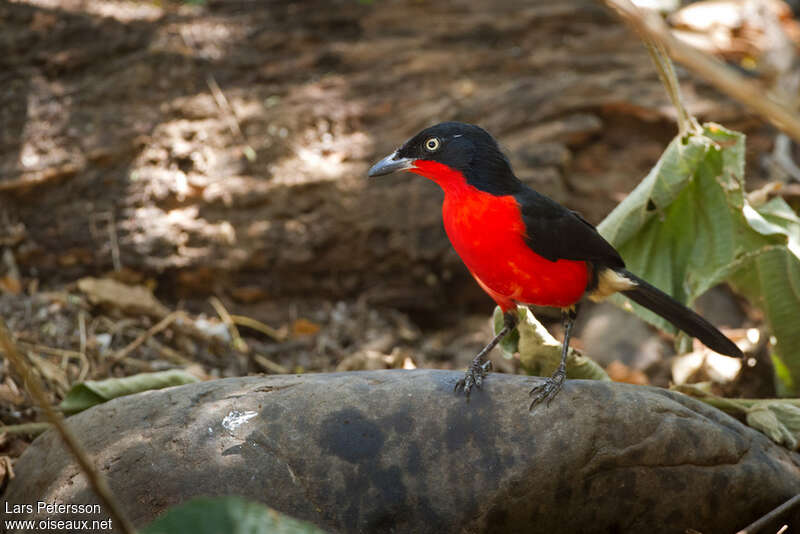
x,y
208,161
121,10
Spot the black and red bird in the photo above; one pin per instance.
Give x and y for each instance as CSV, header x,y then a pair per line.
x,y
524,248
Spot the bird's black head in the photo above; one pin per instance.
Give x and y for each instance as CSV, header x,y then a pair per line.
x,y
464,148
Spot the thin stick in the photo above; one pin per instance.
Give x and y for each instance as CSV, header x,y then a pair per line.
x,y
53,351
26,428
82,330
96,481
168,353
270,366
153,330
274,333
230,116
774,515
238,342
112,237
775,110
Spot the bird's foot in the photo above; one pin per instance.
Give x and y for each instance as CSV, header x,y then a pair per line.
x,y
473,377
548,391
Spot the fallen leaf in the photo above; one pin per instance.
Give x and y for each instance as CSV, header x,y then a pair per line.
x,y
86,394
619,372
304,327
129,299
10,284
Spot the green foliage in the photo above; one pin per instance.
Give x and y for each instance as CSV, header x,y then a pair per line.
x,y
781,422
688,226
231,515
779,419
539,352
86,394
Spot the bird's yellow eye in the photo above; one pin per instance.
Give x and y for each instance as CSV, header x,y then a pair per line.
x,y
432,144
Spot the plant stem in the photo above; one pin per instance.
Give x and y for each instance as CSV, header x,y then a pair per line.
x,y
666,71
769,104
33,386
25,428
740,406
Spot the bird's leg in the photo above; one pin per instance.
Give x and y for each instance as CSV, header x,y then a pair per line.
x,y
551,386
480,364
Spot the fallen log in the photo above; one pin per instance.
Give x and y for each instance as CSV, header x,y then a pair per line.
x,y
398,451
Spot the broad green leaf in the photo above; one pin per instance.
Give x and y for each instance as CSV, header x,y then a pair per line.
x,y
765,420
86,394
229,515
779,419
688,226
539,352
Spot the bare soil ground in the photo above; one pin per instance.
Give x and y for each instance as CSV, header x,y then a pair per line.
x,y
220,150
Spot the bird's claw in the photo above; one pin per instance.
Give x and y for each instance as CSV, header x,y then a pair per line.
x,y
548,390
473,377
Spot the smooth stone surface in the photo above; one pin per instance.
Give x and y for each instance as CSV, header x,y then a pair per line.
x,y
398,451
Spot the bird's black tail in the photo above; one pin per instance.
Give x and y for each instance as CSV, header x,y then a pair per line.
x,y
682,317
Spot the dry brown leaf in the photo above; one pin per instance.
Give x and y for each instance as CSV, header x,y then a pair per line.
x,y
10,393
619,372
249,294
75,256
129,299
10,284
304,327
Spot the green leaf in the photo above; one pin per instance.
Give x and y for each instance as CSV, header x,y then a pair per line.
x,y
509,344
764,420
688,226
779,419
231,515
539,352
86,394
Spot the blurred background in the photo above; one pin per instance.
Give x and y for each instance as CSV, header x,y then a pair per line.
x,y
183,184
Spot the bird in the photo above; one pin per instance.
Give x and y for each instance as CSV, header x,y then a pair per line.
x,y
523,248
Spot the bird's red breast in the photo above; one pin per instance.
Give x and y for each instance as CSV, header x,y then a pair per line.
x,y
488,234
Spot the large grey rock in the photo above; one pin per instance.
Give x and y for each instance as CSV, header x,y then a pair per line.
x,y
397,451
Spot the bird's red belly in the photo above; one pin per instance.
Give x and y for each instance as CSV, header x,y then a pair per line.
x,y
488,234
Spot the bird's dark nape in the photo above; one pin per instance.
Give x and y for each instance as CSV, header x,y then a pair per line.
x,y
682,317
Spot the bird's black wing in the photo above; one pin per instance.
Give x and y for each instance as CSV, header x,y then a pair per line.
x,y
555,232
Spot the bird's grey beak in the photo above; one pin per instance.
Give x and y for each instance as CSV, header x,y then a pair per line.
x,y
390,164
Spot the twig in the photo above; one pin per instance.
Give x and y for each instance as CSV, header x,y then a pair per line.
x,y
771,516
82,330
269,365
28,180
169,353
275,333
153,330
776,110
230,116
112,237
26,428
53,351
139,365
238,342
96,481
111,229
